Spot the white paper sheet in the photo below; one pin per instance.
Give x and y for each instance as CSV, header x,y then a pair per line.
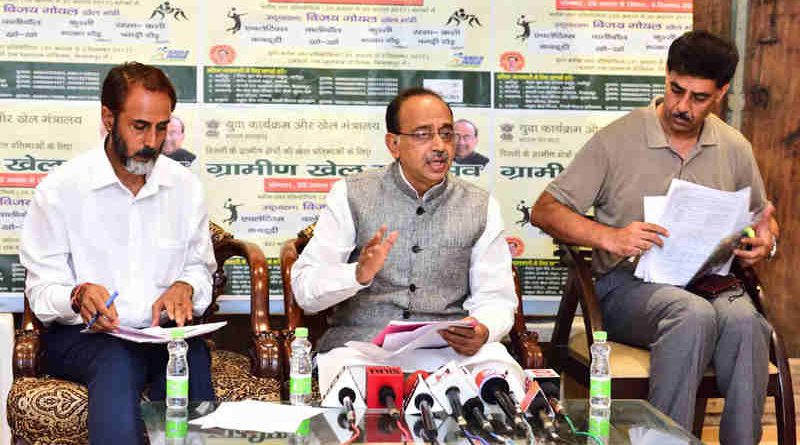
x,y
397,344
157,334
252,415
698,218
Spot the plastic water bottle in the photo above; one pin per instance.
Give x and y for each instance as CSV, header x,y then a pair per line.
x,y
599,424
176,426
300,369
600,373
177,371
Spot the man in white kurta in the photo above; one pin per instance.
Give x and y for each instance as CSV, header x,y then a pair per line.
x,y
411,242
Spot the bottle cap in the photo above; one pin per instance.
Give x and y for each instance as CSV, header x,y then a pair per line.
x,y
301,332
177,334
600,336
749,232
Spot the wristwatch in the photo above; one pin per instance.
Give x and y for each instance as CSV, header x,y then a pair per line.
x,y
774,249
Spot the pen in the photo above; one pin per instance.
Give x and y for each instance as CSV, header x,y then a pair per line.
x,y
97,314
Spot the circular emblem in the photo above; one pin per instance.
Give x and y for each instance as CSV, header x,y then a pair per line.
x,y
512,61
222,54
515,246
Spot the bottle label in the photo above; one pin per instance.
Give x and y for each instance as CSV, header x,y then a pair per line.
x,y
178,386
600,427
305,428
176,428
300,384
600,387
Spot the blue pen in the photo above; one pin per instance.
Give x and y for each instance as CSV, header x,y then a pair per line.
x,y
97,314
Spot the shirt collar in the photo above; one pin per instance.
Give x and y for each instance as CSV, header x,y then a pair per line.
x,y
655,133
103,173
431,191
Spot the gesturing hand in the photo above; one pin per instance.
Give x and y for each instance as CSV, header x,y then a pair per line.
x,y
761,244
374,254
177,301
93,301
634,239
466,340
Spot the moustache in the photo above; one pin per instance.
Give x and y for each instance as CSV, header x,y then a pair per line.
x,y
437,155
682,115
146,152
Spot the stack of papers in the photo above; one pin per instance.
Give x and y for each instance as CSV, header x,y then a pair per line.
x,y
399,337
704,226
252,415
157,334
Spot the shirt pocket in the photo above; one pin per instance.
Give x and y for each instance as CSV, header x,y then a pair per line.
x,y
169,261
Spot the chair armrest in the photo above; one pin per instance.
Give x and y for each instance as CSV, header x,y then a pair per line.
x,y
264,349
524,343
27,345
578,290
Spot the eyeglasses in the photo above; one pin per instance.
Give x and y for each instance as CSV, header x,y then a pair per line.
x,y
423,136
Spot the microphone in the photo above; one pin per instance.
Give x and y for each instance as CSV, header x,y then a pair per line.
x,y
423,401
542,404
494,390
473,409
384,383
453,395
450,384
346,398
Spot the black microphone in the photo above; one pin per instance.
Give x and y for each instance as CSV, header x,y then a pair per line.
x,y
422,401
473,410
495,391
388,397
346,398
454,397
541,406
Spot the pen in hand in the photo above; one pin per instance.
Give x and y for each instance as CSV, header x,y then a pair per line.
x,y
109,302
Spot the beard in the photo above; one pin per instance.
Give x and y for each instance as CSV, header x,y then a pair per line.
x,y
130,164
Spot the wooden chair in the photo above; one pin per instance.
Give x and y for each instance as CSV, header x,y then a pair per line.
x,y
630,366
45,410
524,344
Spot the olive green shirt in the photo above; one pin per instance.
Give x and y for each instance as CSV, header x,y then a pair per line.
x,y
631,158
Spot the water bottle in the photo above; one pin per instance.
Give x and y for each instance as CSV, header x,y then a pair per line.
x,y
176,426
599,424
177,371
600,373
300,369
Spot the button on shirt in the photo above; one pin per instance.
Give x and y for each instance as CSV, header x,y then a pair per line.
x,y
83,225
322,277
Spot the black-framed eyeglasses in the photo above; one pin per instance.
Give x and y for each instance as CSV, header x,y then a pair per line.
x,y
423,136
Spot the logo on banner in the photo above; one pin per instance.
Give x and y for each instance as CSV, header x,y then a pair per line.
x,y
222,54
526,214
515,246
512,61
165,53
506,132
460,16
463,60
166,10
212,128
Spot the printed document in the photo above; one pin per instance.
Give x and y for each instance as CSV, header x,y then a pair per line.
x,y
703,223
157,334
399,337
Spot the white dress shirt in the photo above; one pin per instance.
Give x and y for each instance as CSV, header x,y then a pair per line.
x,y
321,277
84,225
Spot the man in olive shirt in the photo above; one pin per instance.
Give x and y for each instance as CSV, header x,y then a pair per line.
x,y
638,155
